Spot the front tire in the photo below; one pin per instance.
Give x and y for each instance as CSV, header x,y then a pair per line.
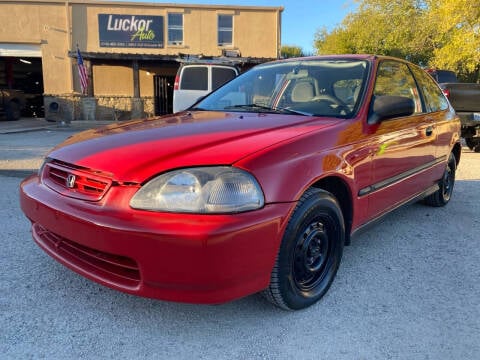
x,y
443,195
310,252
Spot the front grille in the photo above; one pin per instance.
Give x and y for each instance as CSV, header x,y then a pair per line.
x,y
119,270
75,182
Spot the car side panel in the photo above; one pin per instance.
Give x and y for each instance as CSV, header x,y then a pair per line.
x,y
404,161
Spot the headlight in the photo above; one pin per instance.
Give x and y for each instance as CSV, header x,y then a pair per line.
x,y
219,189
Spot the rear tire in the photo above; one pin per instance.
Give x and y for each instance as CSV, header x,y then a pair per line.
x,y
443,195
310,252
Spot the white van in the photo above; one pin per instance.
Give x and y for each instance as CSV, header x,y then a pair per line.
x,y
196,80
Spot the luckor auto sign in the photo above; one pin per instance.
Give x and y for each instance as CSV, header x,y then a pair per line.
x,y
130,31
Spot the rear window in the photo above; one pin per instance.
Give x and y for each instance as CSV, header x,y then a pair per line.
x,y
445,76
221,75
194,78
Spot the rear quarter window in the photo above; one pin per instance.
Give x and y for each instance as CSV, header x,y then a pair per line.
x,y
194,78
432,95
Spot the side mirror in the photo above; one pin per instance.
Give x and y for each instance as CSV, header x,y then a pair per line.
x,y
388,107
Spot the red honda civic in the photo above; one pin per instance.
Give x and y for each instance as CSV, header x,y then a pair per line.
x,y
257,187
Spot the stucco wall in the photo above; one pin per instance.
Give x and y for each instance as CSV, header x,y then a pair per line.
x,y
113,79
44,24
59,26
256,32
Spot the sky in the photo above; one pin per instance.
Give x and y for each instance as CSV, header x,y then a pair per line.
x,y
300,18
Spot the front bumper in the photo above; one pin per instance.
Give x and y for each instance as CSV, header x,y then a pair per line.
x,y
178,257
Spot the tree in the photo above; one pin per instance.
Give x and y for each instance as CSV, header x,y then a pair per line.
x,y
458,38
288,51
384,27
440,33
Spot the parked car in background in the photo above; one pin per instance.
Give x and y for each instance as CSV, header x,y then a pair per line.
x,y
12,102
256,188
195,80
443,76
465,99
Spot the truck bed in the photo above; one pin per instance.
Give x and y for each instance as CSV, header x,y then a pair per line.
x,y
464,97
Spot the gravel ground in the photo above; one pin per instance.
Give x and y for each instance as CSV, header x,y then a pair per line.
x,y
406,289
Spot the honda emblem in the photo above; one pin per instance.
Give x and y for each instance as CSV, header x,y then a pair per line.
x,y
70,182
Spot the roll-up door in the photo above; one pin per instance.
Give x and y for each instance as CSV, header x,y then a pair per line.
x,y
20,50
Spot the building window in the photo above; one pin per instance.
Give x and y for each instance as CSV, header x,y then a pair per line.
x,y
175,29
225,30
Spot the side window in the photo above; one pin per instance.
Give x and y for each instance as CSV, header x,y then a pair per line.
x,y
225,30
194,78
221,75
433,96
175,29
394,78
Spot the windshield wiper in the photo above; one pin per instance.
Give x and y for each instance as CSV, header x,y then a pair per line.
x,y
297,112
250,106
267,109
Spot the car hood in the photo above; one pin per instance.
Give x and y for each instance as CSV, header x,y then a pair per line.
x,y
136,150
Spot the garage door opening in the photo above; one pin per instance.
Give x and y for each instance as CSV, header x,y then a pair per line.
x,y
25,74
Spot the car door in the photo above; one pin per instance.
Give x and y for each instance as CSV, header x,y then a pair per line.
x,y
404,147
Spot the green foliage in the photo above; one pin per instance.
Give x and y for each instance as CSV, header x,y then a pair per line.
x,y
458,39
436,33
288,51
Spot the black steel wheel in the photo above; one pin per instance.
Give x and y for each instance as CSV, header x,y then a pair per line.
x,y
443,195
310,252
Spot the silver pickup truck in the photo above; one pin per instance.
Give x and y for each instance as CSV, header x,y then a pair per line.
x,y
12,103
465,99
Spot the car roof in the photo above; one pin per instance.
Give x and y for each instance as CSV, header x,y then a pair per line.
x,y
368,57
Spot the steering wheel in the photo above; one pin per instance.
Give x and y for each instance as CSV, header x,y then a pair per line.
x,y
331,99
333,102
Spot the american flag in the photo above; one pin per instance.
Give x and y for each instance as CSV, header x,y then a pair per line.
x,y
82,72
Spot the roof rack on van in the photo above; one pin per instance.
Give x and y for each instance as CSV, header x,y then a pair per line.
x,y
208,59
230,60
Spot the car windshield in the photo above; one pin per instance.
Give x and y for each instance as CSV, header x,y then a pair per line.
x,y
317,87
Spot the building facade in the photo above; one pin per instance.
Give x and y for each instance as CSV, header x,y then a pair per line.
x,y
131,51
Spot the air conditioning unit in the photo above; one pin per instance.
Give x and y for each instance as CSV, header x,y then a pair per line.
x,y
231,52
